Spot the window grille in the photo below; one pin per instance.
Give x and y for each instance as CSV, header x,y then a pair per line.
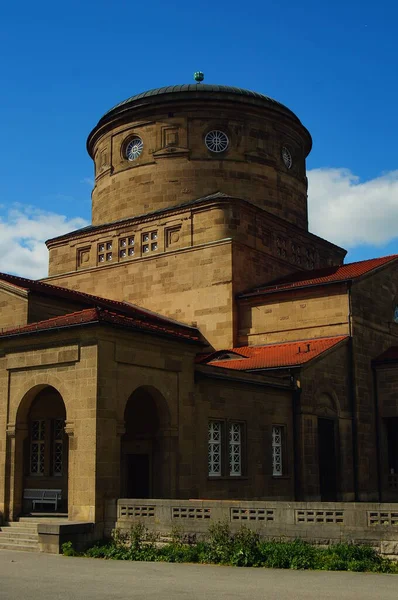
x,y
104,253
235,449
58,446
127,246
37,447
150,242
215,448
277,450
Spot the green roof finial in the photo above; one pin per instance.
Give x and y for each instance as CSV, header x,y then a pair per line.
x,y
198,76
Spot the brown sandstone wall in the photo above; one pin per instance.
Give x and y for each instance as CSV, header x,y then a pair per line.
x,y
296,315
258,408
176,165
325,386
13,309
374,332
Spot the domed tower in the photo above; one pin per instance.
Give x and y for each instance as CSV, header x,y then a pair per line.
x,y
178,143
200,193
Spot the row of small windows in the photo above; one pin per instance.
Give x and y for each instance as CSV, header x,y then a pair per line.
x,y
226,448
127,247
216,141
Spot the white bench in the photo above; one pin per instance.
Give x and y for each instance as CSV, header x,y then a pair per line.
x,y
43,497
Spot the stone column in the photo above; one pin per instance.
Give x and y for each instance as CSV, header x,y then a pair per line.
x,y
16,435
168,442
70,432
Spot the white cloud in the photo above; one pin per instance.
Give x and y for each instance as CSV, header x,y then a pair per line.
x,y
23,231
349,212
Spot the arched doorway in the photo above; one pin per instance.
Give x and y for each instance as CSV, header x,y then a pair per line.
x,y
44,452
147,455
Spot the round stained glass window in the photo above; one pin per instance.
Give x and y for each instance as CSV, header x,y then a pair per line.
x,y
134,148
287,157
216,141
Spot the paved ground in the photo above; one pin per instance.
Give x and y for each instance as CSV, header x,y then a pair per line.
x,y
32,576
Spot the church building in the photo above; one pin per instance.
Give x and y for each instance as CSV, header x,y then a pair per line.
x,y
196,340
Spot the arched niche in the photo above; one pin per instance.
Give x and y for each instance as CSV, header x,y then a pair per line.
x,y
41,448
147,446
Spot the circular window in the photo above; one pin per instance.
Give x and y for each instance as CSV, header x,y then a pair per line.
x,y
287,157
216,141
134,148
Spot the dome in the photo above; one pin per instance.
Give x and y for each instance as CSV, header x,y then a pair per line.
x,y
196,90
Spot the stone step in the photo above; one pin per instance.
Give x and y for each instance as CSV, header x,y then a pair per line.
x,y
18,542
26,547
15,534
19,529
44,518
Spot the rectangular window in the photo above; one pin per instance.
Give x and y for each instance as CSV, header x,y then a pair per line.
x,y
278,435
58,446
235,449
215,448
225,448
103,252
149,242
127,246
37,443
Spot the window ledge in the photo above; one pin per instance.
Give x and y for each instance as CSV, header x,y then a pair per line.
x,y
227,478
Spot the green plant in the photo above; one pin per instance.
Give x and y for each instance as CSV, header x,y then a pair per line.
x,y
219,544
245,548
68,549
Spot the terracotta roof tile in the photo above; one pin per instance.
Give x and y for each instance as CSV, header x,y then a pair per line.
x,y
327,275
98,315
84,299
289,354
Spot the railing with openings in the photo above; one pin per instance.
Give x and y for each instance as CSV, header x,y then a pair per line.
x,y
316,517
252,514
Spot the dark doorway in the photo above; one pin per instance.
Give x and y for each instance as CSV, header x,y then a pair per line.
x,y
392,441
138,476
327,459
146,451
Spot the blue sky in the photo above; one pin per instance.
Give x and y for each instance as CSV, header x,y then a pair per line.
x,y
64,64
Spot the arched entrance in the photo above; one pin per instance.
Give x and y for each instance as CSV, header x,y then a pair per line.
x,y
42,449
147,455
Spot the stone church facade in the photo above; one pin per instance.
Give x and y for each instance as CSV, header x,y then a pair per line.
x,y
197,341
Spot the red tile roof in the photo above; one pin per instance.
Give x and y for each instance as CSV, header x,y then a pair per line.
x,y
390,355
84,299
98,315
289,354
327,275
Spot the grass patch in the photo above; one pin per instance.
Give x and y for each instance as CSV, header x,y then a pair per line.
x,y
242,549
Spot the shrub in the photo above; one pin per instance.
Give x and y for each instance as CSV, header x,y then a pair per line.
x,y
68,549
275,555
219,544
245,548
242,549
